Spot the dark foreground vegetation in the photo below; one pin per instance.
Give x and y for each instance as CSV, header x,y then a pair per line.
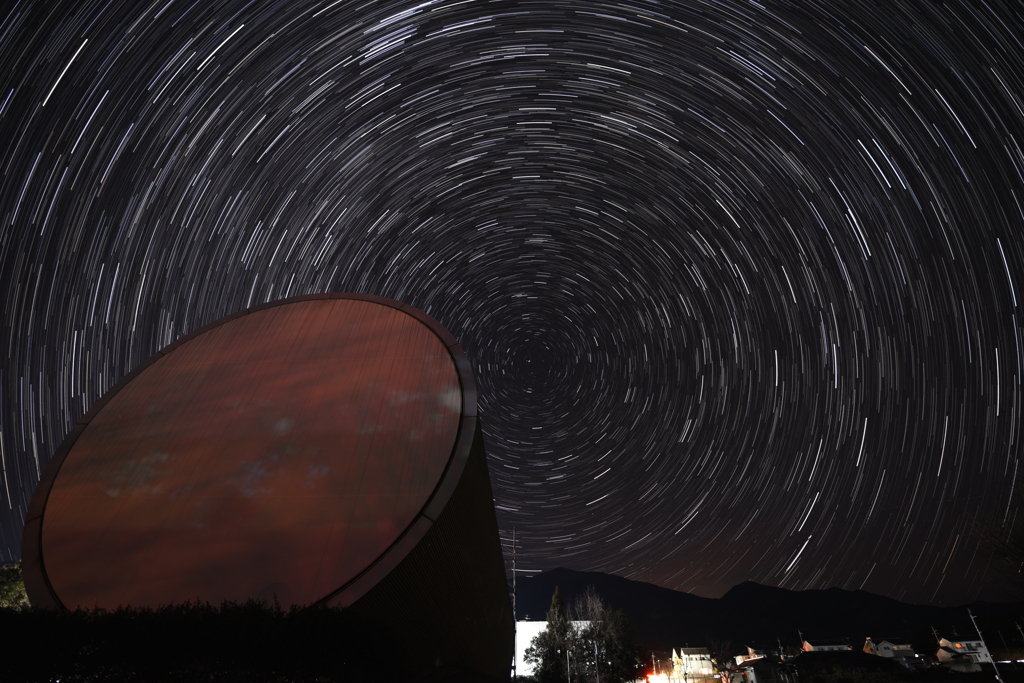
x,y
935,674
252,642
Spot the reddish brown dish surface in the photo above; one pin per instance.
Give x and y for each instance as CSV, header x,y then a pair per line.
x,y
278,454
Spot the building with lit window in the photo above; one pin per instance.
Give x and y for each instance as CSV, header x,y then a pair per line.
x,y
897,649
963,655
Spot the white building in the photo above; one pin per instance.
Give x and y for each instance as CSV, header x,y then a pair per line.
x,y
963,655
896,649
691,665
526,631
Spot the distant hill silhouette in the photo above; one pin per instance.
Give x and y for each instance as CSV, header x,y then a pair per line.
x,y
750,612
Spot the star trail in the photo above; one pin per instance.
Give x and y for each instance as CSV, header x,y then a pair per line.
x,y
740,282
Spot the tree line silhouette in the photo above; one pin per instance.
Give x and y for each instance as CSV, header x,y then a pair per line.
x,y
253,642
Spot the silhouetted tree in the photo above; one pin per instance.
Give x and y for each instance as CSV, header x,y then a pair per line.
x,y
722,654
999,527
548,650
12,587
618,648
600,647
250,642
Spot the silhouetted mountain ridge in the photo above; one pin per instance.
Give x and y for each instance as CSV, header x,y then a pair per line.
x,y
749,612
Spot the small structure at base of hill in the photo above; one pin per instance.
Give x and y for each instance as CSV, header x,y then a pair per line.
x,y
834,645
761,664
896,649
963,655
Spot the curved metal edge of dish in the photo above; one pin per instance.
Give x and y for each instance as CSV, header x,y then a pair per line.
x,y
37,582
359,585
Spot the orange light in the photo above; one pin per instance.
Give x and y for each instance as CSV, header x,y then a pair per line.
x,y
959,645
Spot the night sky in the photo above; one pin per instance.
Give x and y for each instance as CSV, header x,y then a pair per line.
x,y
740,282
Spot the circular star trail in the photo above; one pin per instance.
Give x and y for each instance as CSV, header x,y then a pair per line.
x,y
740,282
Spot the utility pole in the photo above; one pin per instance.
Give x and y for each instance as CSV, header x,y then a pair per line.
x,y
597,663
515,616
998,676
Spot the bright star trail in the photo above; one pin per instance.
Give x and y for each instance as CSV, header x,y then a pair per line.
x,y
740,282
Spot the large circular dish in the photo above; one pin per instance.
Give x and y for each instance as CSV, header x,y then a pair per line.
x,y
297,450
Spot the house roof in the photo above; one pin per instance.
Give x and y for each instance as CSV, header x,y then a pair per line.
x,y
750,662
763,647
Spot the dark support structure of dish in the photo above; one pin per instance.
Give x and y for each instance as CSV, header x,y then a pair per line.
x,y
317,450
